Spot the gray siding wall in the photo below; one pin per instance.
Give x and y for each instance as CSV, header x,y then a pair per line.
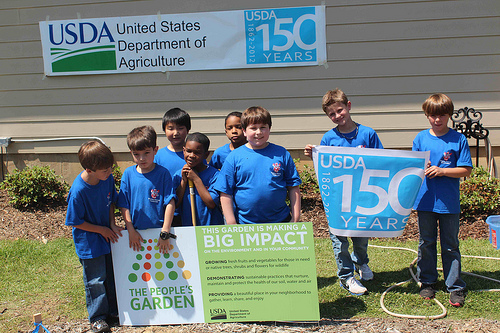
x,y
388,56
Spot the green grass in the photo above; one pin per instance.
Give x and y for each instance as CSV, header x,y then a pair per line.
x,y
37,277
390,267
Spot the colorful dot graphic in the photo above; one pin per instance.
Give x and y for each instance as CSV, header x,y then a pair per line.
x,y
150,264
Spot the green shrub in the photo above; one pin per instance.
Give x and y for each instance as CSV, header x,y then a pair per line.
x,y
308,176
117,175
479,194
35,188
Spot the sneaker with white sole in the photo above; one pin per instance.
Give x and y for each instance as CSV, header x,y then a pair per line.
x,y
365,273
353,286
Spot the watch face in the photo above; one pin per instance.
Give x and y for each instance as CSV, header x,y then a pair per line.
x,y
164,235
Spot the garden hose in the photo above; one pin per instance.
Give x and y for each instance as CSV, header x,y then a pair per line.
x,y
413,277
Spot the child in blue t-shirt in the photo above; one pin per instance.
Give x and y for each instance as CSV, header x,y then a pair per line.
x,y
439,199
258,176
91,214
147,198
176,124
337,107
203,177
234,132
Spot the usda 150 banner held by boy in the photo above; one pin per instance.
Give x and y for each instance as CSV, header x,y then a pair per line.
x,y
259,272
186,41
368,192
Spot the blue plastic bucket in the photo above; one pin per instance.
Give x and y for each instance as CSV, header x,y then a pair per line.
x,y
494,224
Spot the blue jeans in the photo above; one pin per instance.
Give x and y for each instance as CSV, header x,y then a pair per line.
x,y
450,252
99,282
346,261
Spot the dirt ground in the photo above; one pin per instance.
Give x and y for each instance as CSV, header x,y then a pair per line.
x,y
49,224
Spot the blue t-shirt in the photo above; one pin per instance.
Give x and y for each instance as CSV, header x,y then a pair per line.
x,y
365,137
442,194
258,181
90,203
204,215
171,160
219,156
145,195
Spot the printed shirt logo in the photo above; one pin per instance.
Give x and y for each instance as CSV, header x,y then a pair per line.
x,y
445,160
276,167
155,196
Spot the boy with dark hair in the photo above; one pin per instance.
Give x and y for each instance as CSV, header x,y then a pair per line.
x,y
258,176
176,124
439,199
203,177
347,133
147,198
234,132
91,214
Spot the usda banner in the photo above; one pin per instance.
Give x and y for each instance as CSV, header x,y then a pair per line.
x,y
261,272
197,41
368,192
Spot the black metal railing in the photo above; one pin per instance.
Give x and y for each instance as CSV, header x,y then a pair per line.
x,y
467,122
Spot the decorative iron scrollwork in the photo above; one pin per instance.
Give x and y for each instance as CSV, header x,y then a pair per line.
x,y
466,121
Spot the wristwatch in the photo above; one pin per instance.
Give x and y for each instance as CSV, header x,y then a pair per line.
x,y
166,235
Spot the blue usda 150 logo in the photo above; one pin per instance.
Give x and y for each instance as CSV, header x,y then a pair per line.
x,y
284,35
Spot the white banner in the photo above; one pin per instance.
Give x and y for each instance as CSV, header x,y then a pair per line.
x,y
188,41
368,192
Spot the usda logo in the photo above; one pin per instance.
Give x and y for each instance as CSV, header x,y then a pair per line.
x,y
286,35
82,46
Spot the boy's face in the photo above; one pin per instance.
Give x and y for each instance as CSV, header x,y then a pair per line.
x,y
257,135
176,134
234,131
439,123
194,154
144,158
339,113
100,174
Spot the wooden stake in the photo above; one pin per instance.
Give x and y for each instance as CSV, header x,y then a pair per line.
x,y
37,318
193,207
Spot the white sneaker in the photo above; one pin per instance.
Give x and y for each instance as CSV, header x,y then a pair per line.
x,y
365,273
353,286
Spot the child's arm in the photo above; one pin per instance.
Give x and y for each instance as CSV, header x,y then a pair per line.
x,y
226,201
164,244
105,232
308,150
181,189
294,195
200,187
112,221
457,172
134,237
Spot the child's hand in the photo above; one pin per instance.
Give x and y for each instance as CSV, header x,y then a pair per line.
x,y
163,245
308,150
109,234
135,240
190,173
434,171
117,230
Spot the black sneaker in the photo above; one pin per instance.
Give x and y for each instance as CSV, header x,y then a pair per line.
x,y
457,298
100,326
427,291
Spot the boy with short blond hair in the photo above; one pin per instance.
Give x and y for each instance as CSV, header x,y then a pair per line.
x,y
347,133
91,214
258,176
234,132
438,201
146,198
203,177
